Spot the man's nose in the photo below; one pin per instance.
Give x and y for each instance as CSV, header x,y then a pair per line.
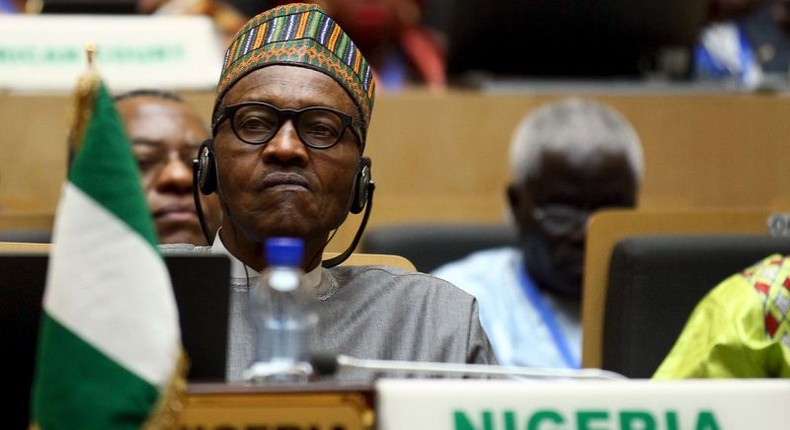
x,y
176,176
286,145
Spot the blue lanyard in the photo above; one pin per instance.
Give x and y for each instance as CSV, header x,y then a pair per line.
x,y
548,318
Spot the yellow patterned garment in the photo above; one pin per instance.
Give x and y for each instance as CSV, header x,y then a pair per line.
x,y
738,330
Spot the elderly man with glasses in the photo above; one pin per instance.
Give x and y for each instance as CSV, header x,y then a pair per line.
x,y
290,123
568,159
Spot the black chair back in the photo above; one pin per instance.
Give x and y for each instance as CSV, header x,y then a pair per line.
x,y
429,245
656,281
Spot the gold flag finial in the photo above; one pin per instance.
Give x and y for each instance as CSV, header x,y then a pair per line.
x,y
84,95
90,51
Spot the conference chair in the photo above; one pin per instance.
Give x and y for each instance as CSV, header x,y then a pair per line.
x,y
24,247
431,244
654,283
360,259
606,228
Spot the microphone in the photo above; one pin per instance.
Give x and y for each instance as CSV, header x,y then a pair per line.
x,y
198,205
330,364
334,261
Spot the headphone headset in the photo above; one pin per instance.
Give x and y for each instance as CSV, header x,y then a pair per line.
x,y
362,186
204,171
206,168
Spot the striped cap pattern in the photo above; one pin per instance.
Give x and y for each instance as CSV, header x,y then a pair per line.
x,y
300,35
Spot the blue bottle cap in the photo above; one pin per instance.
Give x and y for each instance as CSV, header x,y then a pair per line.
x,y
284,251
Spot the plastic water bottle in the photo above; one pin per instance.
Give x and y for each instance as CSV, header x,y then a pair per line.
x,y
283,314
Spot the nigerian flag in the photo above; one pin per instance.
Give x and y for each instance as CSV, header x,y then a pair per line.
x,y
109,349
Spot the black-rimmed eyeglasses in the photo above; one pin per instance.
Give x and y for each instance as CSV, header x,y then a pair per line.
x,y
257,123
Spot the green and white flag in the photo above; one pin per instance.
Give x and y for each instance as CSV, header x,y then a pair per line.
x,y
109,348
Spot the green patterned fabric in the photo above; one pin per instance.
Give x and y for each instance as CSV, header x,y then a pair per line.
x,y
739,330
299,35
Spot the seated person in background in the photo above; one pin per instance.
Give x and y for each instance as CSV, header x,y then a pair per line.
x,y
166,133
567,159
390,33
747,41
290,122
740,329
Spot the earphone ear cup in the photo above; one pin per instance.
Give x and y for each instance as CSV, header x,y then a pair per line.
x,y
207,169
361,186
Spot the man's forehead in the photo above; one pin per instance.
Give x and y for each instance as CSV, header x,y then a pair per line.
x,y
141,141
288,86
153,107
581,158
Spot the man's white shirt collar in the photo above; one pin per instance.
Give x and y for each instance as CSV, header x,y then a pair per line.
x,y
239,270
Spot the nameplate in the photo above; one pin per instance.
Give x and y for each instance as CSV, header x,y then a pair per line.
x,y
582,405
228,407
47,52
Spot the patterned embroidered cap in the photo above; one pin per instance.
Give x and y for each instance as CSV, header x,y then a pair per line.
x,y
300,35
